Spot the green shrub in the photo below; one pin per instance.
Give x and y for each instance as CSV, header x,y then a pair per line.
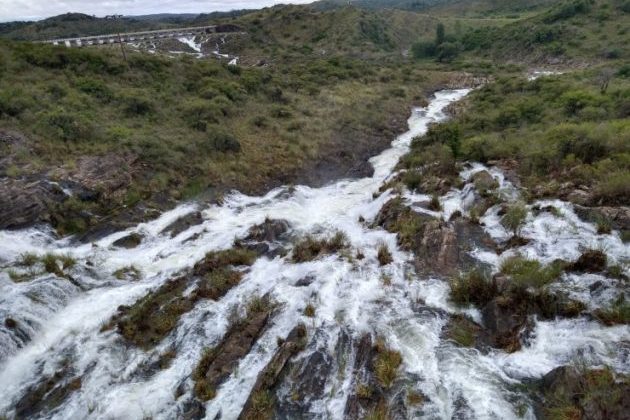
x,y
96,88
514,218
222,141
136,105
68,126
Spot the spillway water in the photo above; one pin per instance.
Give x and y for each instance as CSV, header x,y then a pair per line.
x,y
60,321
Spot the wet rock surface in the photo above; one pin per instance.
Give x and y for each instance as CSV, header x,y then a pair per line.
x,y
130,241
596,394
219,362
268,377
439,247
26,202
183,223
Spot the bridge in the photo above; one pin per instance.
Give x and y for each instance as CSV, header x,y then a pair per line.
x,y
135,36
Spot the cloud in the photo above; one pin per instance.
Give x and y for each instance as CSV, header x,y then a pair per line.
x,y
39,9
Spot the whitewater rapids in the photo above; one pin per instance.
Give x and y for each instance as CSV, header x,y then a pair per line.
x,y
63,320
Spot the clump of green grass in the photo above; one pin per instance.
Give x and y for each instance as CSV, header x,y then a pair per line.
x,y
526,273
618,313
604,225
364,391
514,218
384,255
310,248
51,264
435,204
28,259
219,259
386,364
473,287
203,390
216,283
262,406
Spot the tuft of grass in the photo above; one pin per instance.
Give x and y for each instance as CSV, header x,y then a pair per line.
x,y
386,365
384,256
28,259
309,310
67,261
51,265
364,391
604,225
262,406
311,248
434,204
220,259
526,273
203,390
618,313
473,287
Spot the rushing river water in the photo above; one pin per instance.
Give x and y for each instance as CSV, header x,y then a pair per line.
x,y
60,321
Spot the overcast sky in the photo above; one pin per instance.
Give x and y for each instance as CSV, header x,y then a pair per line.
x,y
39,9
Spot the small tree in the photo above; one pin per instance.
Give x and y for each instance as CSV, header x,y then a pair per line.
x,y
440,34
514,218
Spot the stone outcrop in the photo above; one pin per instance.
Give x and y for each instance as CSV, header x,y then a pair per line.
x,y
25,203
268,377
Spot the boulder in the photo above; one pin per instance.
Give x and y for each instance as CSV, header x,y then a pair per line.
x,y
484,181
619,217
594,394
183,223
580,197
268,231
503,324
25,203
130,241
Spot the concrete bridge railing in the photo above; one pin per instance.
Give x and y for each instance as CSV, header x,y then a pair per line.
x,y
131,36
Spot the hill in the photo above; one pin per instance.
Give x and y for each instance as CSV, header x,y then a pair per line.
x,y
78,24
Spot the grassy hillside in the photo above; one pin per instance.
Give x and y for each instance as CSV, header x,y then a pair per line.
x,y
571,33
187,125
561,134
283,32
574,30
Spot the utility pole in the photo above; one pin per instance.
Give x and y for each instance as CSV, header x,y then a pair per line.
x,y
122,48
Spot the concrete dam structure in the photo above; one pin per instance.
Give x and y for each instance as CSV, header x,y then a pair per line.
x,y
139,36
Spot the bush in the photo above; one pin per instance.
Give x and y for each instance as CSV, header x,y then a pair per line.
x,y
134,105
221,141
422,50
514,218
67,126
95,88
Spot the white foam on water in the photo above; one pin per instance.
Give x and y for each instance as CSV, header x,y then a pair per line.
x,y
347,293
